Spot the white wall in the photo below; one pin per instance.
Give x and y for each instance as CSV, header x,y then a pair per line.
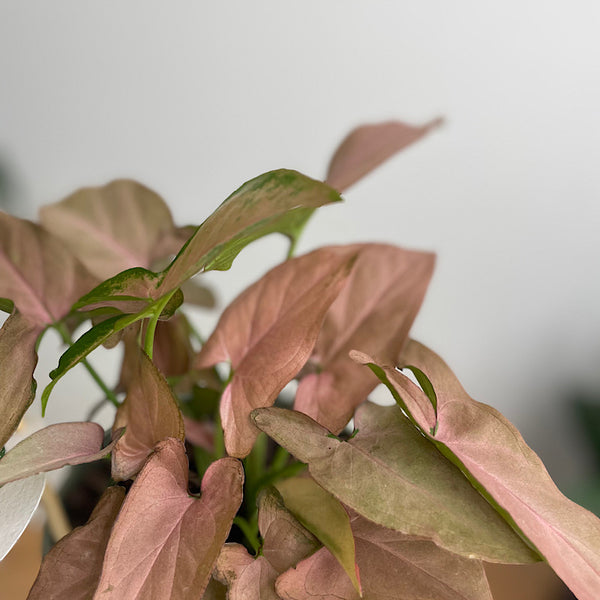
x,y
193,98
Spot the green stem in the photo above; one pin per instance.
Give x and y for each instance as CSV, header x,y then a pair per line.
x,y
249,532
153,321
66,338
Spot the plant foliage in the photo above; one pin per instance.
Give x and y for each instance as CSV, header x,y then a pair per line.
x,y
227,486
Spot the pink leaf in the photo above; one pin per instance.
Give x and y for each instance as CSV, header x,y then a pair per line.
x,y
72,567
247,578
52,448
114,227
37,272
149,413
374,311
392,565
165,542
391,475
366,147
18,358
495,457
268,332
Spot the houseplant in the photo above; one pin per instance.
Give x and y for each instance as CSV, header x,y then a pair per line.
x,y
291,503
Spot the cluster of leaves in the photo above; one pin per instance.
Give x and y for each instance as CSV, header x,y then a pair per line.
x,y
290,505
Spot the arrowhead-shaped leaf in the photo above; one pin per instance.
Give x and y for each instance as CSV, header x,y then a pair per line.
x,y
374,311
72,568
18,502
325,518
391,475
114,227
165,542
392,565
496,459
279,201
149,413
366,147
54,447
268,332
18,358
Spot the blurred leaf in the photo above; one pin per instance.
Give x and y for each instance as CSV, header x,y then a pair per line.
x,y
114,227
72,567
367,146
18,501
18,358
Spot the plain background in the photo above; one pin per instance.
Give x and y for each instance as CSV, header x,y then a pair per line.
x,y
194,98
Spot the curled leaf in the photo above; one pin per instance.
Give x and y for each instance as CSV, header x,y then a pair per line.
x,y
72,568
54,447
367,146
374,311
165,542
268,332
493,455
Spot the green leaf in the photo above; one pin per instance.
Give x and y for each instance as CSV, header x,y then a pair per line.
x,y
6,305
89,341
390,474
278,201
128,291
325,518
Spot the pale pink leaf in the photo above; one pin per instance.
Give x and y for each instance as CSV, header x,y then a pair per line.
x,y
149,413
18,503
246,577
18,358
367,146
268,332
321,514
392,565
165,542
493,454
374,311
37,272
390,474
54,447
114,227
72,567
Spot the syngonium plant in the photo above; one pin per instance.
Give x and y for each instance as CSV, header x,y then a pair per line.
x,y
222,484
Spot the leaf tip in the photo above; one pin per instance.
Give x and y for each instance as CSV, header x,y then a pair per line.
x,y
360,357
